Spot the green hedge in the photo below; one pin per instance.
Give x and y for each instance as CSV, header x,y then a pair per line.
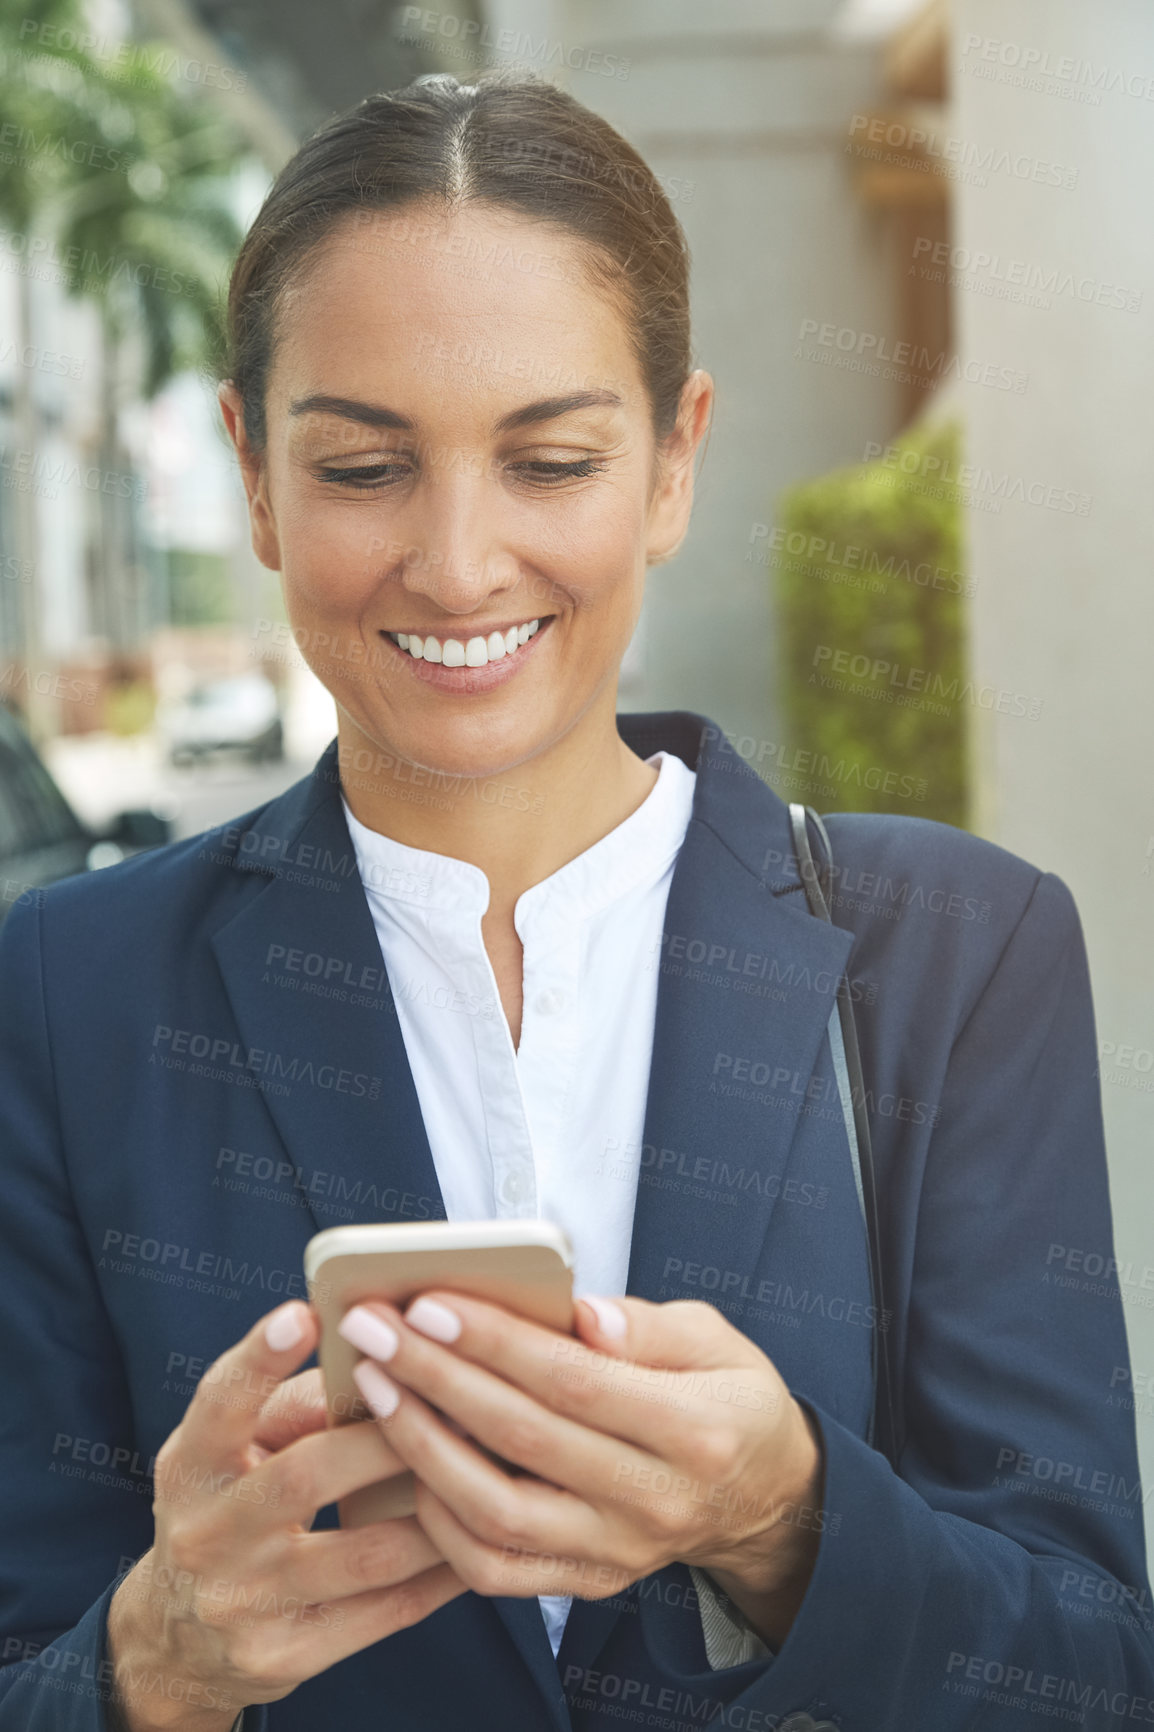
x,y
868,571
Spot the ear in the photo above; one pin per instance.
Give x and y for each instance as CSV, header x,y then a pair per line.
x,y
673,498
265,543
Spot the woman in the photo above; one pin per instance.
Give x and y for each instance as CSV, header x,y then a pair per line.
x,y
506,953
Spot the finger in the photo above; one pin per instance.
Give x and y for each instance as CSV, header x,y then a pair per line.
x,y
320,1469
304,1640
678,1335
507,1569
333,1565
495,1415
497,1507
295,1408
223,1416
650,1407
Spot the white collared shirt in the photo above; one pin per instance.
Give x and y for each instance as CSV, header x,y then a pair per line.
x,y
553,1128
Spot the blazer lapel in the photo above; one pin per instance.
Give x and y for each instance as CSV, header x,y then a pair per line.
x,y
747,985
730,1068
340,1089
322,1034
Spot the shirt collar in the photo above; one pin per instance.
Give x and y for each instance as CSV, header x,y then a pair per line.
x,y
637,851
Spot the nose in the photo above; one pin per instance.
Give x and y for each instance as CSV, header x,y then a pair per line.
x,y
456,554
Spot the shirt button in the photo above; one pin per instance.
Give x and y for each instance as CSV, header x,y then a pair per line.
x,y
514,1187
550,1001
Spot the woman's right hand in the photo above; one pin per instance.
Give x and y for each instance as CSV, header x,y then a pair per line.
x,y
237,1602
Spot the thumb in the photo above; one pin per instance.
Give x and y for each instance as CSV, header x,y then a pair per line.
x,y
295,1408
680,1333
224,1413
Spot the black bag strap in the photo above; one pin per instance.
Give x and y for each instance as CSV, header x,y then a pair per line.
x,y
816,880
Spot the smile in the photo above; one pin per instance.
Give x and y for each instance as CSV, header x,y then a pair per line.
x,y
473,652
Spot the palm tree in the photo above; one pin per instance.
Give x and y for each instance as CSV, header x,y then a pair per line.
x,y
129,179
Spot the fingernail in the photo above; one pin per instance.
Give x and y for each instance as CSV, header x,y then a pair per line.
x,y
432,1318
611,1320
286,1327
379,1391
369,1333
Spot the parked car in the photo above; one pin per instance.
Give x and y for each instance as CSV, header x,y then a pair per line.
x,y
240,714
41,837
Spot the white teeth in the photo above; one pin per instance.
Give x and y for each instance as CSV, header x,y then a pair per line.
x,y
476,652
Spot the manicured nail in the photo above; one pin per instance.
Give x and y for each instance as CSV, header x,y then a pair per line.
x,y
286,1327
379,1391
432,1318
369,1333
611,1320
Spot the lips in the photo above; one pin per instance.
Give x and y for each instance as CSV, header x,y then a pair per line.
x,y
459,676
473,652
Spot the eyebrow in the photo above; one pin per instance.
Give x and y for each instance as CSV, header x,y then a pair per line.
x,y
376,415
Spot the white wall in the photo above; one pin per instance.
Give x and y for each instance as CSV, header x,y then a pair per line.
x,y
1065,603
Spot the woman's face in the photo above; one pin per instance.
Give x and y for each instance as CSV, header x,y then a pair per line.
x,y
460,445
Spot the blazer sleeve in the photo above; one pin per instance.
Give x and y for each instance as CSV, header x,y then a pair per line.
x,y
74,1512
1001,1573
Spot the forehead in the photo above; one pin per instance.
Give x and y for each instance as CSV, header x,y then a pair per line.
x,y
480,301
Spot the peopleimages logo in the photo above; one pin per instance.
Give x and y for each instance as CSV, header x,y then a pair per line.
x,y
32,471
471,34
870,351
972,478
890,682
1023,1687
88,269
1032,63
223,1055
1044,280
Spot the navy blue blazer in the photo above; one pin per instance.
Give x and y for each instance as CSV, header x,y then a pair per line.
x,y
176,1121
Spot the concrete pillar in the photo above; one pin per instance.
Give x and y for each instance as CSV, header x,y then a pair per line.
x,y
1064,611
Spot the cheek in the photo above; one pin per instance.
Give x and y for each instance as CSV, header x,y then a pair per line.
x,y
332,559
595,547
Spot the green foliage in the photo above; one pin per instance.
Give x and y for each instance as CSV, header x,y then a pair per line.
x,y
871,593
199,589
125,173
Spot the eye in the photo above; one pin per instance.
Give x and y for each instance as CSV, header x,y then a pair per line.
x,y
544,471
366,475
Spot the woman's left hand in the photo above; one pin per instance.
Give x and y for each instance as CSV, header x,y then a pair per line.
x,y
658,1434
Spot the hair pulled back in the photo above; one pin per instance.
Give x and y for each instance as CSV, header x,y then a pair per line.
x,y
510,141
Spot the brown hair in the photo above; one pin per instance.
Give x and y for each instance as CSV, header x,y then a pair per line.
x,y
509,140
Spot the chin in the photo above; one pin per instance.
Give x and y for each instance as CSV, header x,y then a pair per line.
x,y
482,759
465,747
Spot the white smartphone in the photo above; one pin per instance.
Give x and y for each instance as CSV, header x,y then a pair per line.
x,y
526,1266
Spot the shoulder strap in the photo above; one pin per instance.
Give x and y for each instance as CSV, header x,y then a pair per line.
x,y
851,1083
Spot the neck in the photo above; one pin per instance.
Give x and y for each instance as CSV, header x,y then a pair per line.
x,y
519,825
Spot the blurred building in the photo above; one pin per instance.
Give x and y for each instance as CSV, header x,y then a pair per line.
x,y
122,522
